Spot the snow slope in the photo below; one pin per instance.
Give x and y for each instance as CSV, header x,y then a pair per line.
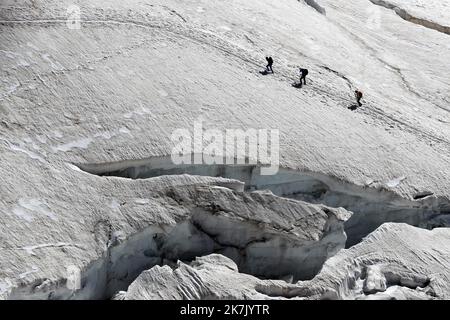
x,y
117,88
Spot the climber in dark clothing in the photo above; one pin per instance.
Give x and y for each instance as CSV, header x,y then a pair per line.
x,y
358,96
303,74
269,64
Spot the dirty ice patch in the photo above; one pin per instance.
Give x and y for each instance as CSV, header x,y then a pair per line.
x,y
28,209
395,182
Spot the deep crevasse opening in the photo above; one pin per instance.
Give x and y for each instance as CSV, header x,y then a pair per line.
x,y
372,206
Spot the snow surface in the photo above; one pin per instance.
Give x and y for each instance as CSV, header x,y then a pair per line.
x,y
116,89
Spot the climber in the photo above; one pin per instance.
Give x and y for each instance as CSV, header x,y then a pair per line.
x,y
269,64
358,96
303,74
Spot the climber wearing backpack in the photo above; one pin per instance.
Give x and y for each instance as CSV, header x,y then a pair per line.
x,y
303,74
269,64
358,96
